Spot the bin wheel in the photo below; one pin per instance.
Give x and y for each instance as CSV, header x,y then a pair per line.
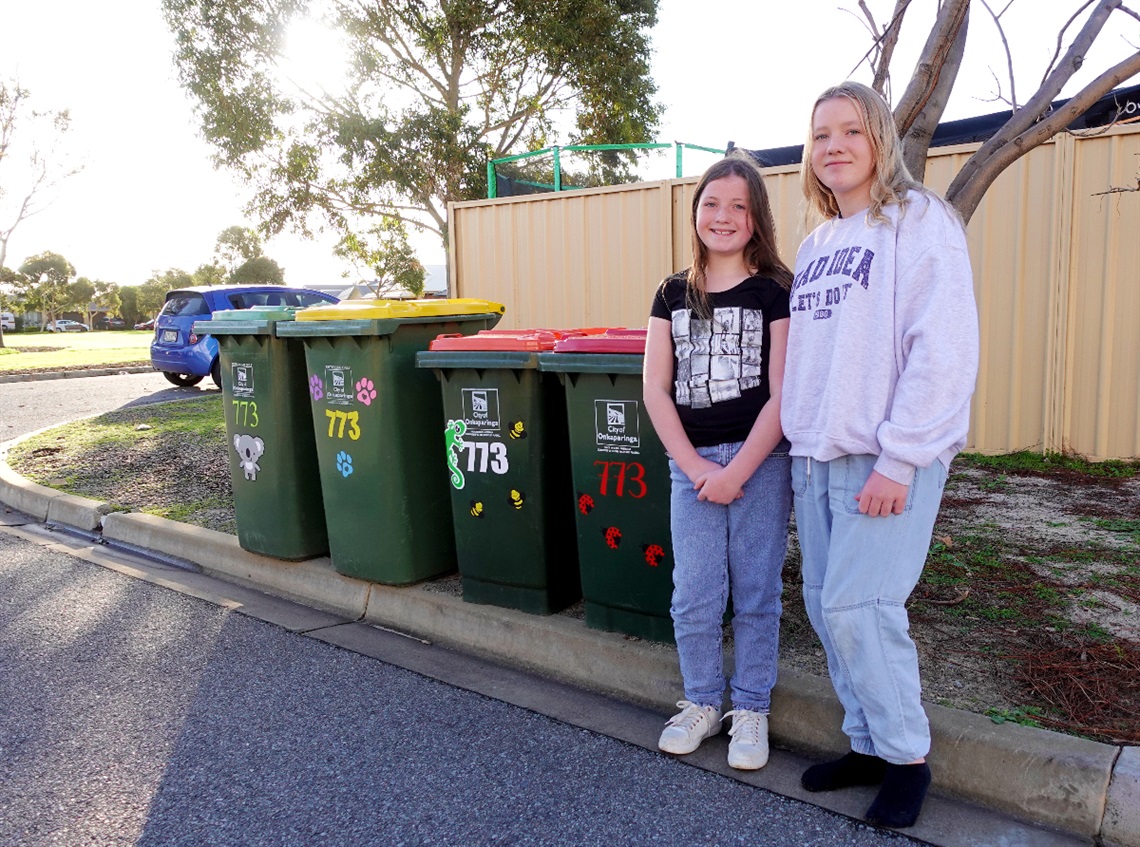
x,y
216,373
183,380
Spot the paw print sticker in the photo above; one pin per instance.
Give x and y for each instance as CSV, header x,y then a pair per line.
x,y
316,388
365,391
344,463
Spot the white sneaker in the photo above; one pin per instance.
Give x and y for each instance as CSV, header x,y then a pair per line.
x,y
748,747
685,731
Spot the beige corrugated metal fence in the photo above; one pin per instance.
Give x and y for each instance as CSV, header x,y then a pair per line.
x,y
1056,265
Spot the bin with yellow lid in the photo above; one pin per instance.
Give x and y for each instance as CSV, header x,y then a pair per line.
x,y
376,425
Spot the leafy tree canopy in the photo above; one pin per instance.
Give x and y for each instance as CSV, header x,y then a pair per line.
x,y
45,283
236,244
209,275
432,89
388,255
151,295
260,270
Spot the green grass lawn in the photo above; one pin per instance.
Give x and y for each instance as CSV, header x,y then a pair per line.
x,y
29,351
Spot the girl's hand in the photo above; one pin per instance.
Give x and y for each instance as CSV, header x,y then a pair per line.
x,y
881,496
717,486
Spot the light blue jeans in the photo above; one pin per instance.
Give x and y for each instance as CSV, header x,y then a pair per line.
x,y
858,573
739,547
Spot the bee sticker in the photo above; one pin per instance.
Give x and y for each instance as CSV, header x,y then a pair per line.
x,y
613,537
476,509
516,498
585,503
654,553
517,430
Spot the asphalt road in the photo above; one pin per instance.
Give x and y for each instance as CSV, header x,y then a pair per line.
x,y
29,406
135,715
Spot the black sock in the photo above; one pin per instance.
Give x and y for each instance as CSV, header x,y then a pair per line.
x,y
900,799
852,769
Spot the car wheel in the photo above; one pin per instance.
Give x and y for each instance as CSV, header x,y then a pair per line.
x,y
183,380
216,373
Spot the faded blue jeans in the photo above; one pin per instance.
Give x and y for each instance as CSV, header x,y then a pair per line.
x,y
858,573
739,547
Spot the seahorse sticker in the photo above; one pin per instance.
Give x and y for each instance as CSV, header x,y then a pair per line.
x,y
453,437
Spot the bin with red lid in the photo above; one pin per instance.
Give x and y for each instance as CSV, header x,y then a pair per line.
x,y
621,484
505,452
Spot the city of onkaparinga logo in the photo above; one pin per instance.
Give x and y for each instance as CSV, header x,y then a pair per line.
x,y
481,411
242,373
338,385
616,426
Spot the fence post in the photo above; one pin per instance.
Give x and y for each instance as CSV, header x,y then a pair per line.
x,y
1058,391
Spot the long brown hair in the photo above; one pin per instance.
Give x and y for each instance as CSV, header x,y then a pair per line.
x,y
760,254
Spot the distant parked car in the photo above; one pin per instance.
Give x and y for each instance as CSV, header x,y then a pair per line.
x,y
110,323
8,321
64,325
145,324
183,356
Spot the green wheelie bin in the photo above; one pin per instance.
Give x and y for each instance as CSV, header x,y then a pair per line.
x,y
273,457
621,485
508,462
376,424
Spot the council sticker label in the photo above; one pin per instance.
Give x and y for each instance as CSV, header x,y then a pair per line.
x,y
242,374
617,427
338,385
481,411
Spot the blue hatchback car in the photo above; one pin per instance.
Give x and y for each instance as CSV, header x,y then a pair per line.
x,y
186,358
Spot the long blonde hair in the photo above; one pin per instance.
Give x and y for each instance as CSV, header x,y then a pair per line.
x,y
760,253
890,180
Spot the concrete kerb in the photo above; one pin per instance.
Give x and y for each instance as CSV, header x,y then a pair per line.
x,y
1075,785
36,377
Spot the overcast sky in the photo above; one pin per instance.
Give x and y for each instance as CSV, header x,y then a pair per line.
x,y
149,199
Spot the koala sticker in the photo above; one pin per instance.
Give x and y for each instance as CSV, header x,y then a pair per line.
x,y
249,448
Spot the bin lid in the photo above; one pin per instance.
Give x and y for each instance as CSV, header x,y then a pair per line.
x,y
594,363
373,310
479,360
613,341
256,320
531,341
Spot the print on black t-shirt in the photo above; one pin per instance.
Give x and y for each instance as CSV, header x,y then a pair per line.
x,y
717,359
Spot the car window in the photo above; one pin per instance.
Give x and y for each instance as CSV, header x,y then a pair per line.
x,y
302,298
185,305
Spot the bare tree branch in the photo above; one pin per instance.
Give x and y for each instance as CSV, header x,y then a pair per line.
x,y
966,192
1040,102
1008,53
1061,39
890,40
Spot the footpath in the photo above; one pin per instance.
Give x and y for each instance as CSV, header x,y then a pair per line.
x,y
1005,784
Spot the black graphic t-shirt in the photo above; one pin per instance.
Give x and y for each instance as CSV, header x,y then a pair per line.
x,y
720,367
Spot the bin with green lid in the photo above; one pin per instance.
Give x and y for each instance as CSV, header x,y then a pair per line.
x,y
505,453
376,425
272,454
621,484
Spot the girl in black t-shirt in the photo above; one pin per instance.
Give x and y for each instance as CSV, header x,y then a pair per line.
x,y
714,365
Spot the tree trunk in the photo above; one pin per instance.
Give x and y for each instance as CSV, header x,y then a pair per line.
x,y
922,104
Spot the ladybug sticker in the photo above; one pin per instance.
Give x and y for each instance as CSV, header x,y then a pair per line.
x,y
654,553
585,503
613,537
